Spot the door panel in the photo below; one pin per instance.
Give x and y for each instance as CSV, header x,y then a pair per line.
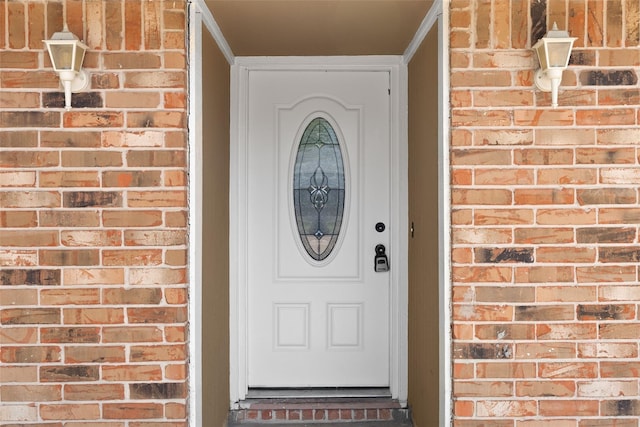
x,y
317,323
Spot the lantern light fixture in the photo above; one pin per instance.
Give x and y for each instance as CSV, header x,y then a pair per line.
x,y
67,53
554,51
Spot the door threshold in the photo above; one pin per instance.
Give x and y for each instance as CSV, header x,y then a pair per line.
x,y
319,393
308,406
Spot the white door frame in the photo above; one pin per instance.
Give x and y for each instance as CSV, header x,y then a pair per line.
x,y
238,207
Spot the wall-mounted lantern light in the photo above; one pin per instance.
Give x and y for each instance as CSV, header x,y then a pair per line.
x,y
553,52
67,53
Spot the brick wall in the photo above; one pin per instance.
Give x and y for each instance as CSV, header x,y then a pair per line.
x,y
93,218
545,217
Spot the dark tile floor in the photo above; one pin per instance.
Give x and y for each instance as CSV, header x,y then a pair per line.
x,y
325,424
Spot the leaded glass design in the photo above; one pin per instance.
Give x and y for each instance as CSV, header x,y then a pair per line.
x,y
319,189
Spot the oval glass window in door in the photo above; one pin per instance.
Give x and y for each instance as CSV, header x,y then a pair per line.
x,y
319,189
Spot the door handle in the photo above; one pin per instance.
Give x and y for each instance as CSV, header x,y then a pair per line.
x,y
380,261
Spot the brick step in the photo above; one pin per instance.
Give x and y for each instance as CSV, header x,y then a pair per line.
x,y
322,410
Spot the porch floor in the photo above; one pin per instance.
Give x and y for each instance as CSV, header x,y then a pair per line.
x,y
389,423
330,410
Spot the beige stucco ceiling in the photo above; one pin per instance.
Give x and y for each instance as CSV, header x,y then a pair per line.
x,y
318,27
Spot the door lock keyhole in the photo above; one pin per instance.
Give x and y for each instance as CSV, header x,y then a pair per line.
x,y
381,261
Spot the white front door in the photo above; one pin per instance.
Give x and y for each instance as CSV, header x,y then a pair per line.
x,y
318,194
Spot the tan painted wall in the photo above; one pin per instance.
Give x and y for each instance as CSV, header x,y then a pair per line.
x,y
215,239
325,27
423,246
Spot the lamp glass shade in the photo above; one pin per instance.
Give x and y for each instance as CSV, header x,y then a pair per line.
x,y
558,53
554,49
66,51
61,55
79,56
540,50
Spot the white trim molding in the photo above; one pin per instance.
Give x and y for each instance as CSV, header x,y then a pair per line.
x,y
195,215
396,67
212,26
444,201
430,19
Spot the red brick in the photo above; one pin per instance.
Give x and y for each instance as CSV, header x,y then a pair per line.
x,y
70,139
77,316
619,331
552,117
605,274
174,410
70,412
157,315
95,354
154,238
69,179
17,297
545,389
132,100
27,316
141,296
537,351
133,334
29,354
74,373
156,119
619,369
131,218
568,370
565,254
606,117
94,392
573,408
565,216
100,119
566,293
482,236
504,331
131,257
606,350
93,276
480,118
566,331
543,196
81,296
503,216
132,410
485,313
481,197
504,177
31,393
157,353
483,389
18,374
176,296
151,26
26,238
64,257
482,274
157,198
131,372
506,408
91,238
544,235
